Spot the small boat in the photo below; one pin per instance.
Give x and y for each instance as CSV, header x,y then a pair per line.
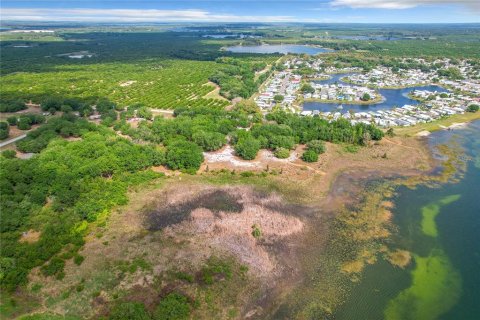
x,y
340,107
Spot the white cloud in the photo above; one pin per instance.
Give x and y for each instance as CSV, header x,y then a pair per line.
x,y
401,4
130,15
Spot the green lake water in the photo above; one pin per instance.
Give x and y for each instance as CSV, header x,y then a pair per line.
x,y
441,228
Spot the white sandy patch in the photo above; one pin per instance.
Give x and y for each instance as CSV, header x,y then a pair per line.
x,y
269,156
457,125
423,133
227,154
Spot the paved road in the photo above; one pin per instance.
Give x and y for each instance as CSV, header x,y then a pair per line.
x,y
6,143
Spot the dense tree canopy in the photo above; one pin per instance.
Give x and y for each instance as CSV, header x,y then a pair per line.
x,y
80,179
184,155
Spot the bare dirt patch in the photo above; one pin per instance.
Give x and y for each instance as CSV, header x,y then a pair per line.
x,y
30,236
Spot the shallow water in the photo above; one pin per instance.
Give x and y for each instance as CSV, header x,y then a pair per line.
x,y
281,48
440,227
393,98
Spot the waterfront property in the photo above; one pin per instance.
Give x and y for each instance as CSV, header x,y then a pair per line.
x,y
401,97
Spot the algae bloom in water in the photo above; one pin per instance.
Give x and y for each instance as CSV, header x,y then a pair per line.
x,y
436,285
430,212
436,288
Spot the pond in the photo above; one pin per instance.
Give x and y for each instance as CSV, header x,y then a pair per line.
x,y
393,98
280,48
439,226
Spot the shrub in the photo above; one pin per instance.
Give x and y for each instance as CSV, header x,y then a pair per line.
x,y
282,142
247,174
129,311
473,108
310,156
12,120
184,155
4,130
216,268
9,154
256,232
12,106
24,123
247,148
282,153
316,146
78,259
54,267
173,307
390,132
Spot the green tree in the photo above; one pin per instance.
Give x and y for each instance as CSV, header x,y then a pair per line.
x,y
209,141
12,106
317,146
12,120
307,88
24,123
366,97
4,130
473,108
278,98
184,155
51,104
247,148
310,156
282,153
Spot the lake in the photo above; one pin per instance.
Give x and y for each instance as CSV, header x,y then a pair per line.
x,y
440,227
375,38
393,98
281,48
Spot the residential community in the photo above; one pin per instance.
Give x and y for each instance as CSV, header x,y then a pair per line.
x,y
285,89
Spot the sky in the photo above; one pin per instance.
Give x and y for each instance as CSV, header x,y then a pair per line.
x,y
301,11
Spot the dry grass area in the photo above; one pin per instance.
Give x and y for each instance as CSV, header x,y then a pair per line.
x,y
214,222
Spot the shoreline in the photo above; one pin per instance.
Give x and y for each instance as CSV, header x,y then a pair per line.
x,y
316,199
379,100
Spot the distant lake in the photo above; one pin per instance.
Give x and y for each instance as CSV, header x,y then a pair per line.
x,y
230,35
281,48
393,98
376,38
